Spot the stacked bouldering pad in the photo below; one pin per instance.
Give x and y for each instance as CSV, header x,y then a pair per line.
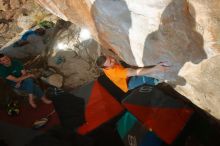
x,y
159,112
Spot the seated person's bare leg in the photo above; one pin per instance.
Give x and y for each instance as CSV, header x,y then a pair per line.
x,y
31,100
45,100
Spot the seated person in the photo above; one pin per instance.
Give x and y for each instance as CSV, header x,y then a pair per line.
x,y
27,36
13,72
119,75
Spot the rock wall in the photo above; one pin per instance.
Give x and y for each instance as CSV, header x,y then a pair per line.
x,y
17,16
74,58
144,32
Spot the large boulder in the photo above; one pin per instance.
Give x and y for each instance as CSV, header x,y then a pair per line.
x,y
75,60
144,32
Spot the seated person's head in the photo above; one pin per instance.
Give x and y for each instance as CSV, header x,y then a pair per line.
x,y
5,60
105,61
40,31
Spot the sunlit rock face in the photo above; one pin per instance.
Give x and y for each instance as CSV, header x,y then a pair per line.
x,y
185,33
207,14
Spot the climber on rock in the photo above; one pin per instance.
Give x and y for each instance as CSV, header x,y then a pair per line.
x,y
12,71
119,75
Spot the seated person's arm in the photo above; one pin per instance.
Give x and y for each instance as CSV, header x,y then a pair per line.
x,y
22,43
23,72
146,70
19,79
